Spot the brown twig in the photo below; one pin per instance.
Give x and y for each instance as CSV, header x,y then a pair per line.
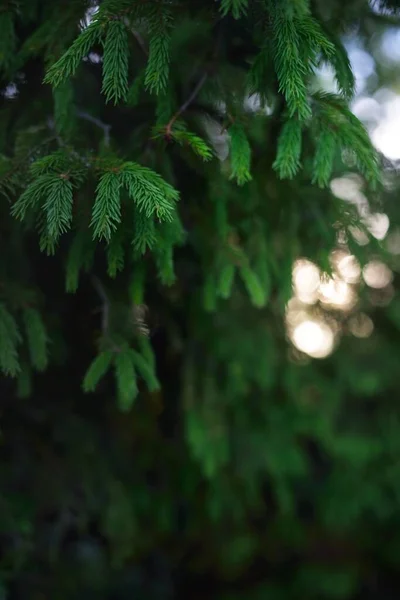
x,y
187,103
200,83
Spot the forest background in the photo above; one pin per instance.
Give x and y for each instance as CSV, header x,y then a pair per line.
x,y
199,307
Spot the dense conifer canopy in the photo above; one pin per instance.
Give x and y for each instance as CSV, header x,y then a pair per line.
x,y
165,167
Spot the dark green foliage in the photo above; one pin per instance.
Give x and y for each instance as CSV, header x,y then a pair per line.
x,y
287,161
160,430
236,7
97,370
10,340
37,338
240,154
126,379
115,62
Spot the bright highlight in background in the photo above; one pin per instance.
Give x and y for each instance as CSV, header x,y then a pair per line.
x,y
314,338
377,275
386,136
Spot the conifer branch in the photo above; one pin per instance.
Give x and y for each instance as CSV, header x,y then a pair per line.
x,y
187,103
197,89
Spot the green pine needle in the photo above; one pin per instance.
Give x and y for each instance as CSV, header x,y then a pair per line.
x,y
196,143
135,89
340,61
58,206
240,154
64,108
9,341
258,74
287,162
253,286
150,192
291,69
237,8
115,62
24,382
115,255
67,65
350,134
145,370
126,379
32,196
106,213
144,236
313,38
97,370
165,265
226,280
324,156
37,338
157,69
8,40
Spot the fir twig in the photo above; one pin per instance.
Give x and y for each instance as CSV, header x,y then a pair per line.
x,y
187,103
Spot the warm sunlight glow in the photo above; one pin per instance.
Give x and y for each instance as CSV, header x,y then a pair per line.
x,y
377,275
337,293
359,236
349,269
378,225
306,280
361,326
386,136
347,188
314,338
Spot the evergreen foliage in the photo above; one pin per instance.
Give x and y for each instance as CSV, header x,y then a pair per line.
x,y
163,165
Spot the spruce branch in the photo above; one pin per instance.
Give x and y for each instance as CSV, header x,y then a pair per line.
x,y
238,8
145,235
115,62
10,339
126,379
97,370
183,137
106,213
58,206
186,103
37,338
150,192
325,151
145,370
115,255
69,62
240,154
157,68
287,162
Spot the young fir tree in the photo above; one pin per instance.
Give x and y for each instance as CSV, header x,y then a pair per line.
x,y
163,165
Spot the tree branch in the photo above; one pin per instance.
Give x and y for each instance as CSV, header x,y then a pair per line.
x,y
187,102
104,126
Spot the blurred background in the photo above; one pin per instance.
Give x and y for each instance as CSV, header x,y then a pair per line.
x,y
279,477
